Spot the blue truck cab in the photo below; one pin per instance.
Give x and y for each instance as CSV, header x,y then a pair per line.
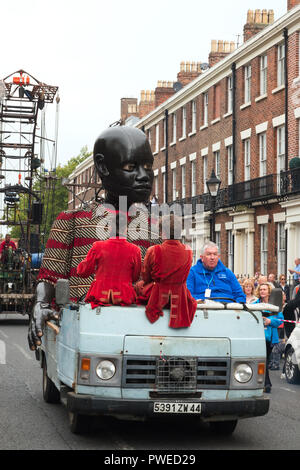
x,y
113,361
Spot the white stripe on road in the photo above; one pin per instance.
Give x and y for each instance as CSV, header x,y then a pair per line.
x,y
3,334
2,352
25,354
287,389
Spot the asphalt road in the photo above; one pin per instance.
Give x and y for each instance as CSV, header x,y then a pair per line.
x,y
28,423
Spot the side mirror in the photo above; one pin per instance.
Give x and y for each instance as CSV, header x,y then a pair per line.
x,y
276,298
62,292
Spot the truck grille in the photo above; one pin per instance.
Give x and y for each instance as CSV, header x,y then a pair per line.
x,y
175,374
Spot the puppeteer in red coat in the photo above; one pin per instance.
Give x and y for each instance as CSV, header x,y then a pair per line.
x,y
117,264
164,273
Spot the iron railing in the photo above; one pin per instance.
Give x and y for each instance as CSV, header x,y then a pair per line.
x,y
246,192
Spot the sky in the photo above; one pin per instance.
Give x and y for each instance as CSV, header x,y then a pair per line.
x,y
98,52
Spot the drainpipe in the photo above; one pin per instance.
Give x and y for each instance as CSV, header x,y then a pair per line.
x,y
233,69
285,35
167,151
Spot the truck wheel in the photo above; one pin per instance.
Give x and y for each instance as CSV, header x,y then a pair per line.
x,y
292,373
50,392
78,423
223,427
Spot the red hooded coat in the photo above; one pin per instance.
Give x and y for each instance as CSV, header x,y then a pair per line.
x,y
117,264
164,272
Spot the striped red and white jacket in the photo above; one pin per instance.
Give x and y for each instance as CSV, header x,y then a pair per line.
x,y
73,234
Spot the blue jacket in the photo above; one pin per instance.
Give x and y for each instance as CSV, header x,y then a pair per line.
x,y
221,281
271,331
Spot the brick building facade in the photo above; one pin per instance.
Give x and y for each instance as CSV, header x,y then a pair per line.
x,y
241,118
239,114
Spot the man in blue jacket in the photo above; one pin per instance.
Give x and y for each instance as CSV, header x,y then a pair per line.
x,y
209,278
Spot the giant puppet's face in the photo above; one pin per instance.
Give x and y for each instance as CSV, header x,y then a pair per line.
x,y
124,161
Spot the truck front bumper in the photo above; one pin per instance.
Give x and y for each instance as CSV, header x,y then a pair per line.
x,y
210,410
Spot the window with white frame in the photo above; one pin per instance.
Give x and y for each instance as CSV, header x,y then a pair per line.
x,y
230,164
204,174
149,135
247,159
217,101
183,181
217,164
262,154
164,176
194,115
205,109
280,148
132,108
194,249
174,184
263,74
281,248
280,64
174,127
229,94
218,240
230,249
157,138
247,82
183,121
194,178
156,185
264,249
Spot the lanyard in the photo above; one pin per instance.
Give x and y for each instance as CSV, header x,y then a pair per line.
x,y
208,283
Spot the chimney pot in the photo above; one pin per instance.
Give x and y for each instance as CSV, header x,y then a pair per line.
x,y
257,17
250,16
213,45
226,46
265,19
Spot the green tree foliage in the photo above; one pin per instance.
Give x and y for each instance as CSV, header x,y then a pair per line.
x,y
53,195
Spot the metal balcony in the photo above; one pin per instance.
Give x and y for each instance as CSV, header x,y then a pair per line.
x,y
267,187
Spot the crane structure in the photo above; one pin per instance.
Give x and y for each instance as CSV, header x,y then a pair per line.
x,y
23,102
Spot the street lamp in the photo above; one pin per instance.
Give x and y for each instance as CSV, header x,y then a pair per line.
x,y
213,186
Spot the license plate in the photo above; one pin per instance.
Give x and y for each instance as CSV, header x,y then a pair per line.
x,y
167,407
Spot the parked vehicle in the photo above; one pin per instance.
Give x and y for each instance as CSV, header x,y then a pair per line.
x,y
113,361
292,356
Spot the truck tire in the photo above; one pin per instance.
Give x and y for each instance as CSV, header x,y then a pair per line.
x,y
78,423
50,392
291,370
223,427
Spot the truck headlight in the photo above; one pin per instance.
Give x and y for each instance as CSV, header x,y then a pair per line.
x,y
243,373
105,370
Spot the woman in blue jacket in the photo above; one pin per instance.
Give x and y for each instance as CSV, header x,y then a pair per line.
x,y
271,323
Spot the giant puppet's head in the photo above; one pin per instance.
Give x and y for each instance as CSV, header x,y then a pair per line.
x,y
123,159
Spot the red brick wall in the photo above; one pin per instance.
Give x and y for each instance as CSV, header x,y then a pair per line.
x,y
258,112
292,3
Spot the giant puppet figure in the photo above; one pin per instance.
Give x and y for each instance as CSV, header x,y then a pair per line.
x,y
123,160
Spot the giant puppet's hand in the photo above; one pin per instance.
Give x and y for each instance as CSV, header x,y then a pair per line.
x,y
42,312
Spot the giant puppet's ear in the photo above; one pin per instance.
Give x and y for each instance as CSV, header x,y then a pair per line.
x,y
101,168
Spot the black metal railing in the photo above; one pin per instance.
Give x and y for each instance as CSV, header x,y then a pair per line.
x,y
258,189
289,181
